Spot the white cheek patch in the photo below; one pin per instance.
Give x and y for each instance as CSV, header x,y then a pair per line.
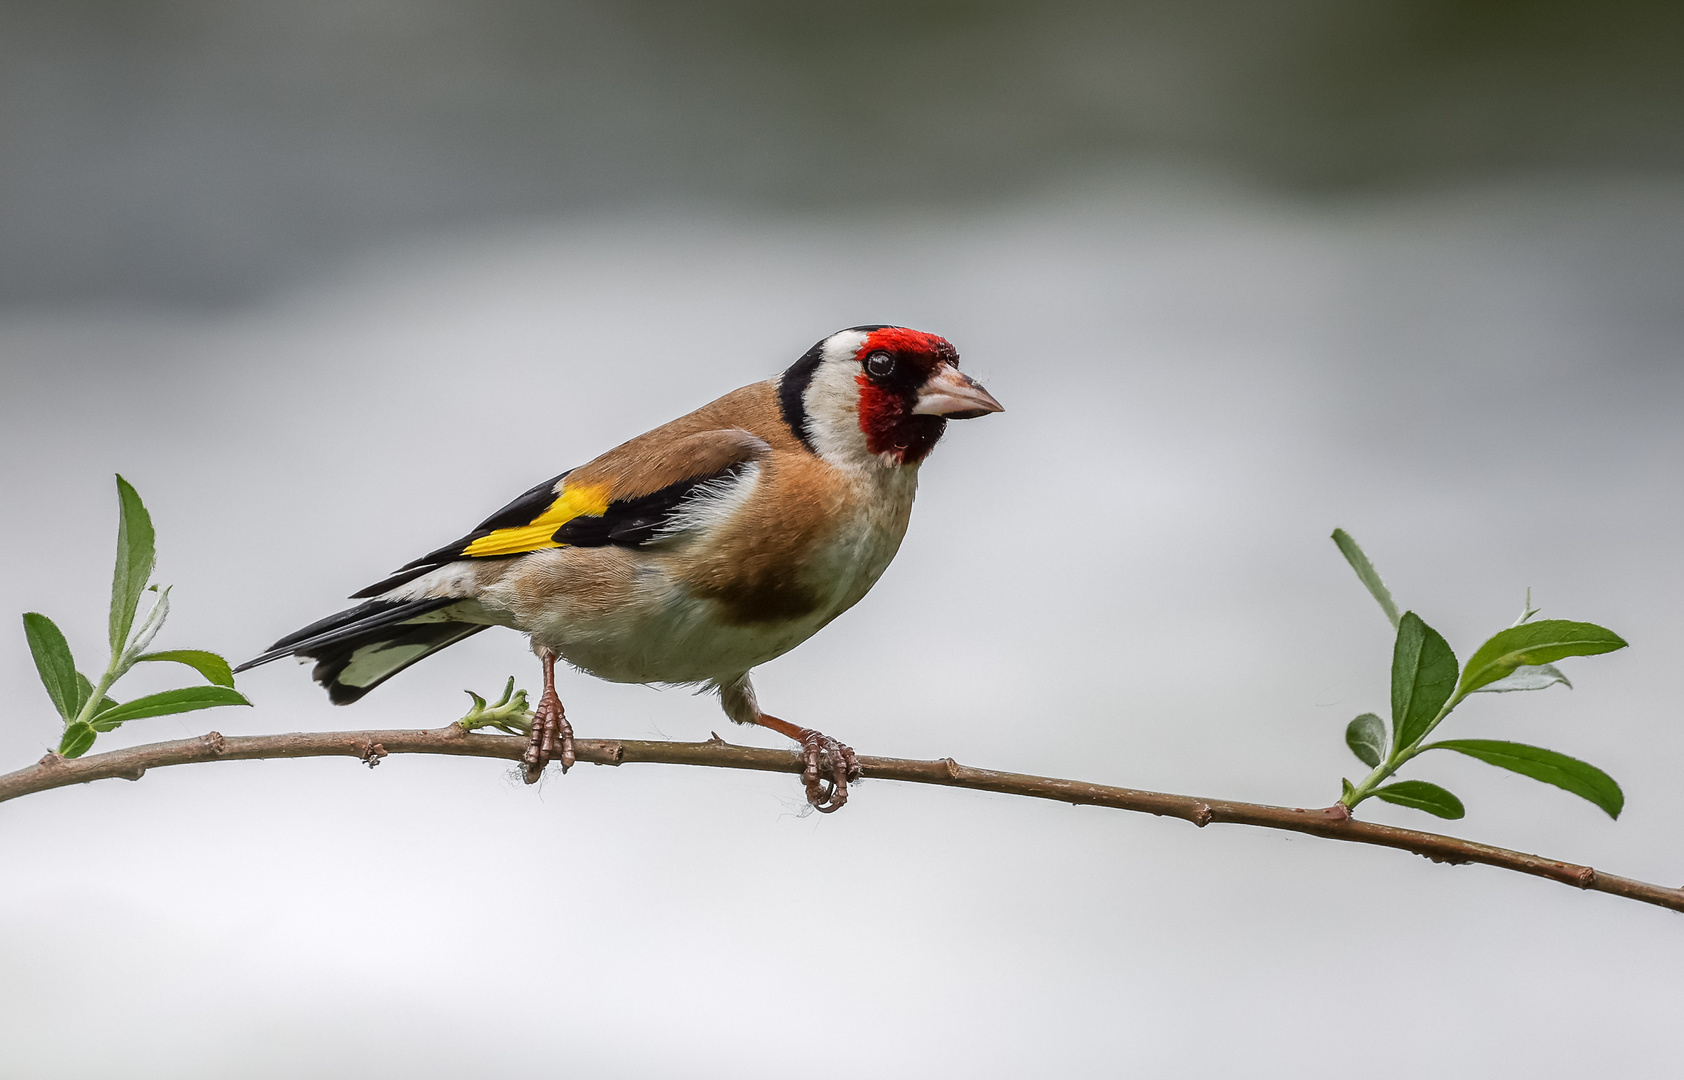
x,y
832,402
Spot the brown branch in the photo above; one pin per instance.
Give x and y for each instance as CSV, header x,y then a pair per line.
x,y
370,746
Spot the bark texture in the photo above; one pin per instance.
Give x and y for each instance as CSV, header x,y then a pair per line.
x,y
1333,823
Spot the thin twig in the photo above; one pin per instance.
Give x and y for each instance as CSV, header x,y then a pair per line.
x,y
54,771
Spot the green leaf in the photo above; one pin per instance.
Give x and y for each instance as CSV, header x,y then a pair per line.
x,y
1423,677
53,661
77,738
1570,774
106,704
1420,795
84,691
213,667
1527,677
135,558
172,701
1346,791
1366,736
1365,570
1534,644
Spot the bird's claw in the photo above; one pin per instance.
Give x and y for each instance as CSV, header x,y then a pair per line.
x,y
828,767
551,738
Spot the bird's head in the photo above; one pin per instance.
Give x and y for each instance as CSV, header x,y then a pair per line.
x,y
879,394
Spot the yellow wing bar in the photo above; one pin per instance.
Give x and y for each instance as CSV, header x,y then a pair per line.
x,y
585,501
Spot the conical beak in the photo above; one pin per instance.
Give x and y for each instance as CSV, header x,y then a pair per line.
x,y
953,394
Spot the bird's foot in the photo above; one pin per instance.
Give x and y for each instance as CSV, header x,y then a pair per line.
x,y
551,737
828,768
509,715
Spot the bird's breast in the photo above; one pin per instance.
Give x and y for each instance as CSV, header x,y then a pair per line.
x,y
806,551
743,590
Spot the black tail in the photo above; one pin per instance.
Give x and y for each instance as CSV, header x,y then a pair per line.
x,y
360,648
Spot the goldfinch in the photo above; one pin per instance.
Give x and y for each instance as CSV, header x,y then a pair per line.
x,y
690,554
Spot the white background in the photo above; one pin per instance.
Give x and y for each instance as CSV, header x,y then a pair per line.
x,y
1125,578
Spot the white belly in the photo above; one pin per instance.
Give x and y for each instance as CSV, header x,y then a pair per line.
x,y
669,636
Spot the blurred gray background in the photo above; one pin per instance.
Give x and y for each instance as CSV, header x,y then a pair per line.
x,y
330,282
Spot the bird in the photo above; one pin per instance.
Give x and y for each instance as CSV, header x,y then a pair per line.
x,y
689,555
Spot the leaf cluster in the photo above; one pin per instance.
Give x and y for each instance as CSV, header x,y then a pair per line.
x,y
84,704
1427,685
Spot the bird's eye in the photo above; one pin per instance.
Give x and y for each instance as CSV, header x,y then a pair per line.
x,y
879,365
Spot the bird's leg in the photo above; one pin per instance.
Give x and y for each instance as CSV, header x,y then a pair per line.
x,y
828,766
551,733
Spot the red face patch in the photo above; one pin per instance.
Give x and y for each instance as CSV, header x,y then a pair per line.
x,y
901,341
886,400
